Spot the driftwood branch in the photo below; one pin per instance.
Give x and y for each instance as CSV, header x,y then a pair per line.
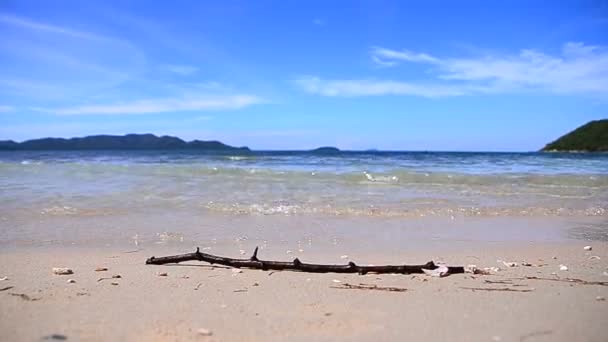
x,y
296,264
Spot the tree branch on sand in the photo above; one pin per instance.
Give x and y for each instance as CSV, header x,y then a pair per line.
x,y
296,265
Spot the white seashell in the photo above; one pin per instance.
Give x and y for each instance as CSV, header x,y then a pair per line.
x,y
587,248
71,281
242,252
471,269
3,278
509,264
492,269
344,257
204,332
62,270
440,271
336,281
563,267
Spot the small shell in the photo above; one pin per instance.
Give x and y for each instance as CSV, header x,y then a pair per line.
x,y
343,256
71,281
242,252
3,278
527,264
336,281
162,274
563,267
600,298
509,264
62,270
440,271
587,248
204,332
101,269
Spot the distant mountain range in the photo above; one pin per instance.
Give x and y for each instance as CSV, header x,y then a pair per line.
x,y
591,137
118,142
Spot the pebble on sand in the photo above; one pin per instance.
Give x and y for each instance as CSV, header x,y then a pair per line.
x,y
600,298
162,274
204,332
71,281
101,269
62,271
509,263
587,248
563,267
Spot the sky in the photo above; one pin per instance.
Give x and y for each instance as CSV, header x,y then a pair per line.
x,y
394,75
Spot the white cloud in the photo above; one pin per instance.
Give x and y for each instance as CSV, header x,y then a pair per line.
x,y
392,56
353,88
152,106
183,70
578,69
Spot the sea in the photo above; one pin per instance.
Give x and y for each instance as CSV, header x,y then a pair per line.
x,y
290,197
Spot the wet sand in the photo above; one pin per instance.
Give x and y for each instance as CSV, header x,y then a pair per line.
x,y
258,306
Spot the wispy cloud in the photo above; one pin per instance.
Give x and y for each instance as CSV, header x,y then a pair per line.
x,y
153,106
392,56
183,70
38,26
577,69
361,87
69,62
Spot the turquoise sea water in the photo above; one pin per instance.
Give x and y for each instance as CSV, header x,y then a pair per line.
x,y
270,183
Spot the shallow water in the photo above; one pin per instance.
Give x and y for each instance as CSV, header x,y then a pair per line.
x,y
385,184
116,195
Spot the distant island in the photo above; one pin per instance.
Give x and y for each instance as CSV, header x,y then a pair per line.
x,y
591,137
118,142
326,150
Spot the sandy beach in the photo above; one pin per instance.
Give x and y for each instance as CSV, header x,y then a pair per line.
x,y
254,305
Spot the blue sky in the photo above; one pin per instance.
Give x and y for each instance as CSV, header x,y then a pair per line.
x,y
401,75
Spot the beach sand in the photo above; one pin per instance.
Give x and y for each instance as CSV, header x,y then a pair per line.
x,y
256,305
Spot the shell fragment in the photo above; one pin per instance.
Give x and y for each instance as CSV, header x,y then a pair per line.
x,y
62,271
440,271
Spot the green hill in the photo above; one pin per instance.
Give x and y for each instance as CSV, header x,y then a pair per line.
x,y
119,142
591,137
